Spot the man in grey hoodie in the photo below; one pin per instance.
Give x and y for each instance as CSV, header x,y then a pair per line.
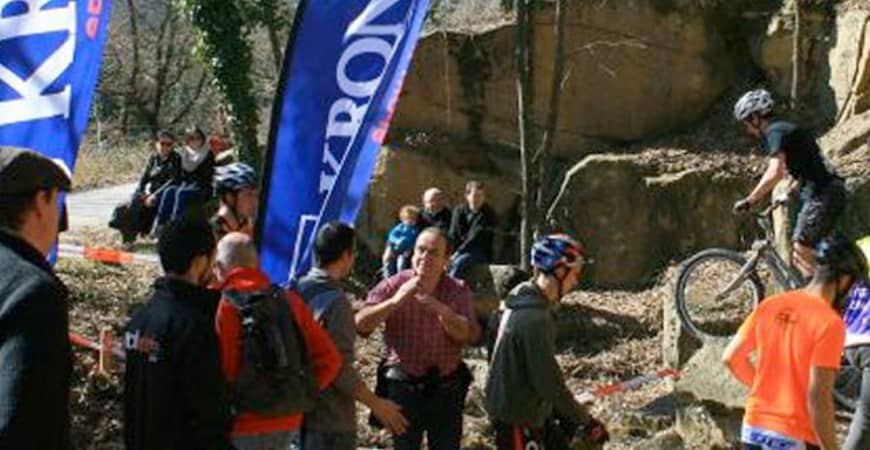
x,y
331,425
526,395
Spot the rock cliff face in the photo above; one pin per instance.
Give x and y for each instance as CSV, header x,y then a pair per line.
x,y
639,212
634,69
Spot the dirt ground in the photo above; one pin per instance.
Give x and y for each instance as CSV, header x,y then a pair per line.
x,y
606,337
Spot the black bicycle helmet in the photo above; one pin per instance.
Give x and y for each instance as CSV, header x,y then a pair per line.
x,y
842,256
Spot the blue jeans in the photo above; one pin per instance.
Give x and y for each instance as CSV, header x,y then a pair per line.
x,y
396,265
279,440
324,440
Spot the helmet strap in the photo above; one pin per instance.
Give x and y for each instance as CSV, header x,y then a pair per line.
x,y
561,280
231,205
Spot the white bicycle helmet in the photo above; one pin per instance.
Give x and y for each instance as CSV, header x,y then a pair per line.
x,y
757,101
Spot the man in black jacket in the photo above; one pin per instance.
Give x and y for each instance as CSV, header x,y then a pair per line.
x,y
471,231
435,213
174,393
35,355
162,171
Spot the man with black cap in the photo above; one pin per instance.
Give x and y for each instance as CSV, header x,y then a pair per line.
x,y
35,354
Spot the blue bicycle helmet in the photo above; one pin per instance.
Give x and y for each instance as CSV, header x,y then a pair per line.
x,y
554,251
843,257
234,177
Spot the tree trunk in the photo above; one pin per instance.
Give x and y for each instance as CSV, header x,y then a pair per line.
x,y
133,82
540,159
521,49
796,55
275,43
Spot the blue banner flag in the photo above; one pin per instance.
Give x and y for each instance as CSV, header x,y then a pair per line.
x,y
50,57
342,76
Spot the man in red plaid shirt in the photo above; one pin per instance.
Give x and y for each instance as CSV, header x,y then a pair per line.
x,y
429,319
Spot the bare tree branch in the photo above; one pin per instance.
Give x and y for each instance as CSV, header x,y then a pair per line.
x,y
192,101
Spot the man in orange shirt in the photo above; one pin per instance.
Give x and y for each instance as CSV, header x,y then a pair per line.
x,y
237,269
797,337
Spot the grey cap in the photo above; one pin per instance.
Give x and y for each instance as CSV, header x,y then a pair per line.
x,y
23,171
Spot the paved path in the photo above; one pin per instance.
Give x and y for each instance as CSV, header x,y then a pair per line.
x,y
94,208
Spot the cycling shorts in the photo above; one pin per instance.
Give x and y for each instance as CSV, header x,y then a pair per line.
x,y
819,213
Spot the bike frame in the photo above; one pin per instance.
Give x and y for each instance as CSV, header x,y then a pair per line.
x,y
763,249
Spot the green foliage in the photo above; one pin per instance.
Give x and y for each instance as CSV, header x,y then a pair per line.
x,y
223,29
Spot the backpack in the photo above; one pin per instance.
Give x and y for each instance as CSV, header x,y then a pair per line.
x,y
275,375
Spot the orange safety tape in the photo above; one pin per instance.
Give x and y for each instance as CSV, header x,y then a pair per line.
x,y
105,255
108,255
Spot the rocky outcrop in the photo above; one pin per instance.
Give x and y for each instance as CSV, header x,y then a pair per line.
x,y
834,59
638,212
634,69
848,145
403,174
771,47
850,63
491,284
678,343
706,379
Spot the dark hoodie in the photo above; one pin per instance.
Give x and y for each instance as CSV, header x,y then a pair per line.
x,y
525,384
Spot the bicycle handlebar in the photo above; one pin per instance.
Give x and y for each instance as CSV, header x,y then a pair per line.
x,y
774,205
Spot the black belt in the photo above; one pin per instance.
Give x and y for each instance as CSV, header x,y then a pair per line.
x,y
432,379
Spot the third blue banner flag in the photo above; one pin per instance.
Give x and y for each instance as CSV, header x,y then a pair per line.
x,y
342,76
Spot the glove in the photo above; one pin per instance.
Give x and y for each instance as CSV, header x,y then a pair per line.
x,y
593,435
742,205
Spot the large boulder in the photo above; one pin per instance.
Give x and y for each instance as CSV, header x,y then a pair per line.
x,y
678,343
771,40
638,212
705,378
849,63
848,145
491,284
710,401
709,426
634,69
401,176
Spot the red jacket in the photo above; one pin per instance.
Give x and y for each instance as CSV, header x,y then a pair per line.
x,y
325,358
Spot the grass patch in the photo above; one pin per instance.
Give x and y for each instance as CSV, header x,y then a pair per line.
x,y
110,164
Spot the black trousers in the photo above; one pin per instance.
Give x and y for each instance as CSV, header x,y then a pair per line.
x,y
433,410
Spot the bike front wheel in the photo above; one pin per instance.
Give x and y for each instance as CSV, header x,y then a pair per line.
x,y
712,297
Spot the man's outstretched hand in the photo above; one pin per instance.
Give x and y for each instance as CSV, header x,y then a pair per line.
x,y
390,414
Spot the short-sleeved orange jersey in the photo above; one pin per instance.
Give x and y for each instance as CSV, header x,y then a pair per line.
x,y
791,333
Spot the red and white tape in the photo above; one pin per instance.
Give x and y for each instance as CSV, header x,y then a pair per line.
x,y
625,386
105,255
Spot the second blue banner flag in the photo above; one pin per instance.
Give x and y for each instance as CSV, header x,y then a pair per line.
x,y
341,80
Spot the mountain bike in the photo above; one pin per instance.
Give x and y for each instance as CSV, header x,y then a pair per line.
x,y
716,289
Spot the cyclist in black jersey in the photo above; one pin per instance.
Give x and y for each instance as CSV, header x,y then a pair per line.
x,y
793,151
236,186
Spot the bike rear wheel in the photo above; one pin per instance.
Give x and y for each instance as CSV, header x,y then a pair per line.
x,y
702,306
